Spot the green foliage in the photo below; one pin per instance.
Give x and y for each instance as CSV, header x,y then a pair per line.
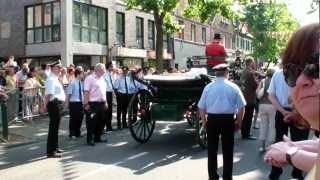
x,y
270,25
162,11
208,9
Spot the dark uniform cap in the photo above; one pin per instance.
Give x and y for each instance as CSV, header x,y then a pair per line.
x,y
221,67
125,68
56,64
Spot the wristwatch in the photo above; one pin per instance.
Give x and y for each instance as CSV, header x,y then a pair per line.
x,y
290,153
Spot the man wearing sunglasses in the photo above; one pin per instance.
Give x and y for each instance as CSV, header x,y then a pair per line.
x,y
279,93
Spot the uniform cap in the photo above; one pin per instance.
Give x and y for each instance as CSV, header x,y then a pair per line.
x,y
125,68
56,64
221,67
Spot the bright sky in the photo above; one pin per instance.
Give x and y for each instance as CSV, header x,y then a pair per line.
x,y
300,9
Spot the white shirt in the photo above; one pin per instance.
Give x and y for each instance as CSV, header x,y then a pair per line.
x,y
221,97
279,88
54,88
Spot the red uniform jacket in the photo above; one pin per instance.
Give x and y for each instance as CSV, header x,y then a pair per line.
x,y
216,50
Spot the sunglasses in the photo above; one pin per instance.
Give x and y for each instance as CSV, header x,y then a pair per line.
x,y
310,69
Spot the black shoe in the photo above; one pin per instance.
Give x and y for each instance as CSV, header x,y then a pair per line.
x,y
101,141
125,126
249,137
59,150
53,155
91,143
273,176
109,129
79,136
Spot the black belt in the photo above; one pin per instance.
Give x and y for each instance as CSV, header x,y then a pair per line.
x,y
55,100
220,115
97,102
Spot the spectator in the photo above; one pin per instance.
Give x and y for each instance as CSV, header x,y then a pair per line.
x,y
10,62
301,73
267,112
70,74
248,86
2,78
10,78
31,89
63,77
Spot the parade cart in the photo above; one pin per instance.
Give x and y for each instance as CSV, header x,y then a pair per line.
x,y
167,98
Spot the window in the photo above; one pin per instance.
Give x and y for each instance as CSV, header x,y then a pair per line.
x,y
151,34
89,23
181,33
43,23
120,29
204,35
139,33
193,32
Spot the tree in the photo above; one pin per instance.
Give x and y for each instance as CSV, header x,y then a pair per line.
x,y
271,25
162,11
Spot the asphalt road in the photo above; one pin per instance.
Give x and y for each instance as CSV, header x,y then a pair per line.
x,y
171,154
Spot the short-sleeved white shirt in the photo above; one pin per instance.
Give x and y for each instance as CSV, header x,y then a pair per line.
x,y
221,97
280,89
54,88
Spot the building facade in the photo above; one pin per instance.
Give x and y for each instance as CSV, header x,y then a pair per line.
x,y
85,32
82,32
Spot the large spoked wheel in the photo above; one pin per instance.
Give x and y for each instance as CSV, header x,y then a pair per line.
x,y
191,115
141,124
201,133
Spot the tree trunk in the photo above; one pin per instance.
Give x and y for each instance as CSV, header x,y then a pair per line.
x,y
159,42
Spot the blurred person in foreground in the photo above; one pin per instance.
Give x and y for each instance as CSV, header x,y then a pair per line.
x,y
301,72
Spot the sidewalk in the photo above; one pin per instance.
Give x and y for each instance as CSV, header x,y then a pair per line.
x,y
21,133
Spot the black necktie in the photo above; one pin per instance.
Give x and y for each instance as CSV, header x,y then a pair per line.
x,y
80,92
125,83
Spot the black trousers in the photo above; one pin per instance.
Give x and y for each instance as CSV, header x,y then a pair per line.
x,y
94,121
220,125
122,109
247,120
54,110
296,135
108,115
76,116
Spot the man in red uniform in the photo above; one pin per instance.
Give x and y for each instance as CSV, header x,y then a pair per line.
x,y
215,51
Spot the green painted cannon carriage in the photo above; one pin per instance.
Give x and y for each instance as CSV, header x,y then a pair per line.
x,y
167,98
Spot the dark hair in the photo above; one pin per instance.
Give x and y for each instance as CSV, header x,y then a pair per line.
x,y
43,66
70,70
77,72
108,64
302,44
248,61
29,75
33,69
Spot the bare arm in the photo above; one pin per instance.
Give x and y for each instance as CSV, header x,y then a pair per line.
x,y
276,104
202,113
304,160
309,145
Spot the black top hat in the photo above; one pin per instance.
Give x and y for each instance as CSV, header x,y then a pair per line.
x,y
56,64
217,36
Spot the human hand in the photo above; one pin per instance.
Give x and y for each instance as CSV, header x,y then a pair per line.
x,y
87,107
237,125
